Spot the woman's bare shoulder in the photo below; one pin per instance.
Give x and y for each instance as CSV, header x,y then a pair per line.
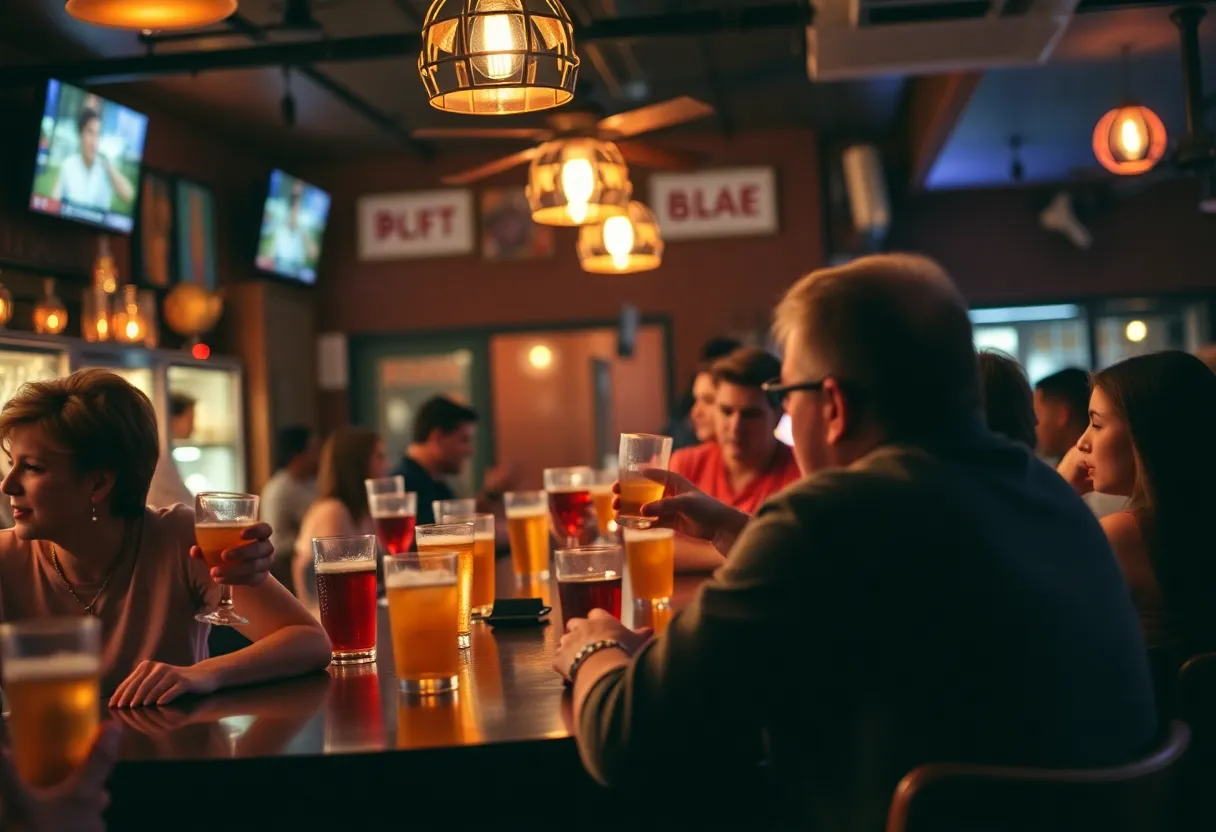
x,y
1123,533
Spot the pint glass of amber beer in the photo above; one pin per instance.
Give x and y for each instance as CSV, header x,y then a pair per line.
x,y
52,675
650,559
528,532
424,616
346,592
640,451
481,601
220,520
601,496
454,537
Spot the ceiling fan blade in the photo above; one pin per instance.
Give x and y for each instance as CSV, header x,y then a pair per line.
x,y
497,166
654,117
527,134
649,156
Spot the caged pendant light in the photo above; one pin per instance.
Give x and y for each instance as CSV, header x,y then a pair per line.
x,y
151,14
496,57
624,244
575,182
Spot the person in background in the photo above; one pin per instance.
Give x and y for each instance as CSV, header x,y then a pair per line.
x,y
1008,401
1134,448
747,464
88,178
692,422
1061,410
167,487
289,493
75,805
443,436
927,592
83,449
348,457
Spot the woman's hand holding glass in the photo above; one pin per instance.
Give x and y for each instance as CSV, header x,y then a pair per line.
x,y
246,565
690,511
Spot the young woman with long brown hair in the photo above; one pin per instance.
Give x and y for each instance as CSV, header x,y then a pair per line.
x,y
1150,439
349,456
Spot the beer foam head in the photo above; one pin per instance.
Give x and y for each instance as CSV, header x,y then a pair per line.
x,y
639,535
225,524
49,668
444,541
527,511
484,536
415,578
342,567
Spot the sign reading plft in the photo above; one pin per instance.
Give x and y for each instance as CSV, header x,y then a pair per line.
x,y
715,203
415,224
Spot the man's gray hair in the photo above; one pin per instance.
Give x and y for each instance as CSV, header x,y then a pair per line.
x,y
894,330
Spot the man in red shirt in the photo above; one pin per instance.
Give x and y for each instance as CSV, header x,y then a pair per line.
x,y
747,464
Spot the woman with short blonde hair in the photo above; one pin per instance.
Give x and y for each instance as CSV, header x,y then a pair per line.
x,y
83,451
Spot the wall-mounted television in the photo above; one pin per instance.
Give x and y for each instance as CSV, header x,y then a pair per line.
x,y
293,226
89,156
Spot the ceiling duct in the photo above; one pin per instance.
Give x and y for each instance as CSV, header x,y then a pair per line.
x,y
866,38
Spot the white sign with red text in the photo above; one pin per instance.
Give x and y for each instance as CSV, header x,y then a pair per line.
x,y
416,224
732,202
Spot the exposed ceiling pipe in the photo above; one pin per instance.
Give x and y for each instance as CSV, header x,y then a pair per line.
x,y
376,47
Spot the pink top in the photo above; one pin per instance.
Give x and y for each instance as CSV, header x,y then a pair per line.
x,y
146,612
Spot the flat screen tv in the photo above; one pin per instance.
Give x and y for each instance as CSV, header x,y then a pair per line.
x,y
293,226
89,155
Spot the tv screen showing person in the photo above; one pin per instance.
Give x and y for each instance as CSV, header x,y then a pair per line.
x,y
293,223
89,156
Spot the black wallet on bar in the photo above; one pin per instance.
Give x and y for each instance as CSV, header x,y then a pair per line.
x,y
518,612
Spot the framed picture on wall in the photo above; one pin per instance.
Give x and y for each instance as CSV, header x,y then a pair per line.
x,y
196,234
155,230
507,230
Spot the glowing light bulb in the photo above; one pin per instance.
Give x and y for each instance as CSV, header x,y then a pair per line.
x,y
1132,138
578,184
540,356
618,240
52,322
497,33
103,326
133,329
1136,331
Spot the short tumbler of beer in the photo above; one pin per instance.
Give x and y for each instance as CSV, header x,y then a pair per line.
x,y
528,532
650,557
588,578
346,592
454,537
52,674
640,451
220,520
393,514
424,616
482,599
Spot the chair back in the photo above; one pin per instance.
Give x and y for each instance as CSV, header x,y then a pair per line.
x,y
952,797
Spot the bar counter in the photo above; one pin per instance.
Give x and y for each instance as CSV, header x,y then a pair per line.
x,y
345,750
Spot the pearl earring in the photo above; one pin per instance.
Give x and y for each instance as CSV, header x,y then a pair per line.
x,y
94,512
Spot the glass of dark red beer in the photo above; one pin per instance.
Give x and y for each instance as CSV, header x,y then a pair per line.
x,y
570,504
588,578
393,511
346,591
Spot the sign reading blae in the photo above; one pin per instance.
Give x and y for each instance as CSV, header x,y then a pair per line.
x,y
416,224
732,202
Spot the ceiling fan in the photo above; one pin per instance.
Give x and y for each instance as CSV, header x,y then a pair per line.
x,y
585,122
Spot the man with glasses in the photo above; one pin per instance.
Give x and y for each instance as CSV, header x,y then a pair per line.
x,y
746,465
927,592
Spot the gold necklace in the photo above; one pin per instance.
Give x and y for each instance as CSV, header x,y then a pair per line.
x,y
88,608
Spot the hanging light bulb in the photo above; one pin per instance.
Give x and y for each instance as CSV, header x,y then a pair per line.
x,y
151,14
492,57
577,182
128,323
50,315
622,244
1129,139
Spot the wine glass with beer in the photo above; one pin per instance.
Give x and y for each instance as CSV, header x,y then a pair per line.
x,y
220,521
639,452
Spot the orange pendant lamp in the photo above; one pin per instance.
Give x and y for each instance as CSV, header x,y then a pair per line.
x,y
1129,139
151,14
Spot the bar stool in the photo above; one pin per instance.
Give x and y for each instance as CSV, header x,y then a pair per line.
x,y
1133,797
